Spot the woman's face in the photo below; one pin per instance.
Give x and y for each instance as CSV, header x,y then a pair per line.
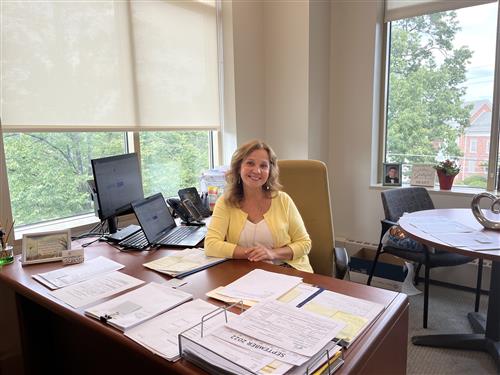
x,y
254,170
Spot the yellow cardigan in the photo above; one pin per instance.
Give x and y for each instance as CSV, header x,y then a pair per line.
x,y
283,219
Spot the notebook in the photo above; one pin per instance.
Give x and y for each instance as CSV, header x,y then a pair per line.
x,y
159,226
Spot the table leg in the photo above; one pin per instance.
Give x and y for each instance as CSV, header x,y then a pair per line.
x,y
487,340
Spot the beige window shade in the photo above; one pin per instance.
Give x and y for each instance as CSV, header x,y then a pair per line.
x,y
109,65
399,9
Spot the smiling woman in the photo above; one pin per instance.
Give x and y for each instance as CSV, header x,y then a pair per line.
x,y
254,220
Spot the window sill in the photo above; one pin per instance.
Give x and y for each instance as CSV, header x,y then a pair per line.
x,y
455,190
78,225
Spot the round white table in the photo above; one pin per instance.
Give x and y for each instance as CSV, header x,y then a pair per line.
x,y
486,336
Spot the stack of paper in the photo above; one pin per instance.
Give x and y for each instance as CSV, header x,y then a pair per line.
x,y
355,313
139,305
259,285
90,291
270,338
294,297
183,262
69,275
160,334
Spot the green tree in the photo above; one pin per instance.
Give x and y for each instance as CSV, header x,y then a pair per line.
x,y
426,113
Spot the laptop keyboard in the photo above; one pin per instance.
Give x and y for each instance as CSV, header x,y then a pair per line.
x,y
177,235
136,241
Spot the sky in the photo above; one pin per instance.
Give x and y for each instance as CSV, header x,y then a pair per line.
x,y
479,33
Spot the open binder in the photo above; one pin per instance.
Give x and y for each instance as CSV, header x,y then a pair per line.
x,y
191,348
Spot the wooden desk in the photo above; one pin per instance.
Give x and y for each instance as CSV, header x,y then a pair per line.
x,y
60,340
486,336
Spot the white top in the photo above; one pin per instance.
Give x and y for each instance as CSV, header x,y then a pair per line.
x,y
253,234
257,234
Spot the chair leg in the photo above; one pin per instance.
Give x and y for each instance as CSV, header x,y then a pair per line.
x,y
372,270
417,271
478,285
426,294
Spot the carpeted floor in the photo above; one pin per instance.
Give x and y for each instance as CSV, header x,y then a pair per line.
x,y
448,310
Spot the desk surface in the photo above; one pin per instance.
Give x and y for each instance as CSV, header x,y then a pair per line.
x,y
370,349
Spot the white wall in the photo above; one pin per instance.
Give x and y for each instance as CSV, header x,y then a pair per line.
x,y
286,77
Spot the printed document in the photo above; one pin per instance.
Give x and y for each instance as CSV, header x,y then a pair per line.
x,y
93,290
257,346
355,313
160,334
471,241
183,262
139,305
439,225
259,285
287,327
69,275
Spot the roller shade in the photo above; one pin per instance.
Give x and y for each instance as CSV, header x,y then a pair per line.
x,y
399,9
109,65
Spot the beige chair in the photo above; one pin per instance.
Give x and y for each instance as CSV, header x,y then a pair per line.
x,y
306,181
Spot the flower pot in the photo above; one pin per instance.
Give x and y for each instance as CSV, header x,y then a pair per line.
x,y
445,182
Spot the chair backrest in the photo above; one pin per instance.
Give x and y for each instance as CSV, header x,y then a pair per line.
x,y
306,181
398,201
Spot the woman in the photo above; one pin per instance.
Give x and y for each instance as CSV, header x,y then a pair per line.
x,y
254,220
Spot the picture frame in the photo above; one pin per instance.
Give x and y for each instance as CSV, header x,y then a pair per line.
x,y
392,174
423,175
44,247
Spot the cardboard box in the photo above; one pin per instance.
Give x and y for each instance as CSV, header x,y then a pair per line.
x,y
388,266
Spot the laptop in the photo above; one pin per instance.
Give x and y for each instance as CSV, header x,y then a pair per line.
x,y
160,228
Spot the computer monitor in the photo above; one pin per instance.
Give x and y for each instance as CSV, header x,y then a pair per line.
x,y
118,183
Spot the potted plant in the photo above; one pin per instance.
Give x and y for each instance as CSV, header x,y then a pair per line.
x,y
446,171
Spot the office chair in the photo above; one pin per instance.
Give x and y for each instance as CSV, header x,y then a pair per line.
x,y
306,181
398,201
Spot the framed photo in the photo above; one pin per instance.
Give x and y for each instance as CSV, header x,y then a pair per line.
x,y
392,174
45,246
422,175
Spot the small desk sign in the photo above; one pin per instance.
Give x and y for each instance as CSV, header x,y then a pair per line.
x,y
45,247
422,175
73,256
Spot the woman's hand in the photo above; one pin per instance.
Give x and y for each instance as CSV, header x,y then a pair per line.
x,y
259,253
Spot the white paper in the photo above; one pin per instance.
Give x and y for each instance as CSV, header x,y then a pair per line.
x,y
69,275
139,305
287,327
355,313
260,285
434,225
183,261
253,345
472,241
93,290
240,356
160,334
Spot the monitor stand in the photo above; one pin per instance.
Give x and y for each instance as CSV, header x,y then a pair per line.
x,y
120,234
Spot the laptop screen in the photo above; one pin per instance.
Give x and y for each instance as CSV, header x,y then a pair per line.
x,y
154,216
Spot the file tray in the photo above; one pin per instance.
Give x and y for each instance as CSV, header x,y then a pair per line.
x,y
192,350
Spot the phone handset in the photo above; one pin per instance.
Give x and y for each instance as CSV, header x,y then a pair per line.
x,y
193,211
184,213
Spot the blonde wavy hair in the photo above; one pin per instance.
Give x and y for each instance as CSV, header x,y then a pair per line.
x,y
234,188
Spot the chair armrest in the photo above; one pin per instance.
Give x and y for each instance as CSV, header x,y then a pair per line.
x,y
341,262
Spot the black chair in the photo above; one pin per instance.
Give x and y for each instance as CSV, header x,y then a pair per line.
x,y
398,201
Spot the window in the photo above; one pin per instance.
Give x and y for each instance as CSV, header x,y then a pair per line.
x,y
471,166
83,80
473,145
440,77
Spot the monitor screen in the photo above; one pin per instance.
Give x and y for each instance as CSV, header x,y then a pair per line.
x,y
118,183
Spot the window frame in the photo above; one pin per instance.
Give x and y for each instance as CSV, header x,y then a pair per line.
x,y
493,178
